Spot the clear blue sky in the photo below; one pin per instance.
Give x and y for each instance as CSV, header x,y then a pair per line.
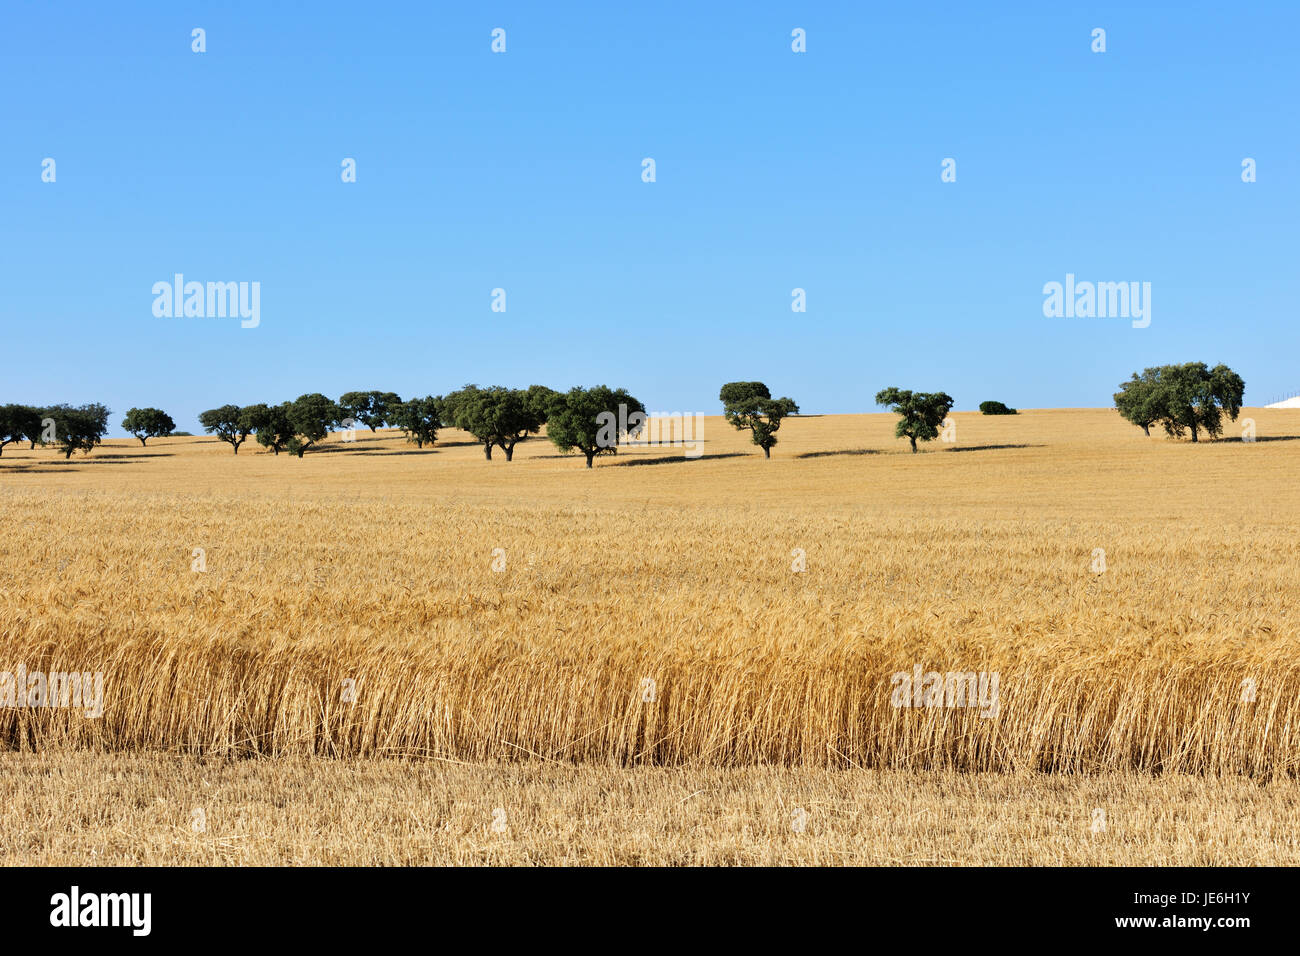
x,y
775,170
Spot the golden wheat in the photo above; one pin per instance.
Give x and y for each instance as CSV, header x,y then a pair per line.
x,y
648,613
77,808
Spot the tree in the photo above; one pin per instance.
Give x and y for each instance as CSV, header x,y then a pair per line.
x,y
590,419
539,399
271,425
146,423
419,418
227,423
467,408
78,427
920,413
1140,400
995,408
1195,397
514,417
750,405
310,417
450,407
496,416
19,423
1189,397
34,426
372,409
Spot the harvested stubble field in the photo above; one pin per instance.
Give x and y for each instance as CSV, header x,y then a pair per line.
x,y
372,563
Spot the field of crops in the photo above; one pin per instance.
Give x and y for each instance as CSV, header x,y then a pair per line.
x,y
1134,597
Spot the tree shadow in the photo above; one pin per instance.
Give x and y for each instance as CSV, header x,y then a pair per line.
x,y
840,451
463,444
100,455
53,467
400,451
666,459
991,447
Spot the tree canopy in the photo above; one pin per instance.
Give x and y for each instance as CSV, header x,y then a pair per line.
x,y
497,416
1188,397
920,414
19,423
591,419
79,427
419,418
374,409
310,417
750,405
227,423
145,423
271,425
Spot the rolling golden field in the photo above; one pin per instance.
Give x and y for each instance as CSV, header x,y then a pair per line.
x,y
273,630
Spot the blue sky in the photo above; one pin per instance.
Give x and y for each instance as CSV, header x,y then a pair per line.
x,y
522,171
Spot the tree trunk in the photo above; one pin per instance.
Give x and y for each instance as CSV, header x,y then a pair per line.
x,y
767,451
32,445
510,452
141,442
487,450
1194,432
590,456
1146,429
68,454
913,445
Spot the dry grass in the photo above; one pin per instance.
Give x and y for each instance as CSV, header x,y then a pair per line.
x,y
372,562
80,808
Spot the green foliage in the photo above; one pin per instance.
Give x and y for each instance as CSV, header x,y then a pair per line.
x,y
146,423
271,425
540,398
589,419
734,392
80,427
920,413
996,408
19,423
419,418
749,405
373,409
514,417
1188,397
227,423
310,417
1140,400
449,406
496,416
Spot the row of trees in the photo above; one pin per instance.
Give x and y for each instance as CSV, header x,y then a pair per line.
x,y
68,427
579,419
751,405
1189,397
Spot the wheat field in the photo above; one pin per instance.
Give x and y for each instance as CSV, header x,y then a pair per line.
x,y
374,602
